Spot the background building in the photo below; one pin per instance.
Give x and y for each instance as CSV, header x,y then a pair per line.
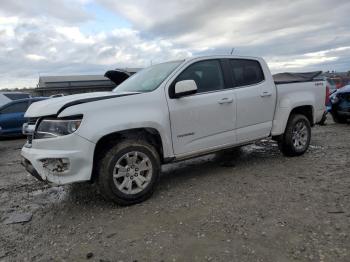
x,y
75,84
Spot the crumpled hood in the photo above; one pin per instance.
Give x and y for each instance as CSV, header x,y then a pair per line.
x,y
54,106
117,76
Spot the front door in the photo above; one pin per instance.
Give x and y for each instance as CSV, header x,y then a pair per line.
x,y
205,120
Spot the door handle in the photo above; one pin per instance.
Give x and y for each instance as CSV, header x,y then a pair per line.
x,y
225,100
266,93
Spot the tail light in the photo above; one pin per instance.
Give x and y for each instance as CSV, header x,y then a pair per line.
x,y
327,95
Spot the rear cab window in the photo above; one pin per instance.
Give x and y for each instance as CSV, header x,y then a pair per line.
x,y
246,72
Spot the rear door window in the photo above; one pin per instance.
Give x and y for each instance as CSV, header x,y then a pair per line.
x,y
246,72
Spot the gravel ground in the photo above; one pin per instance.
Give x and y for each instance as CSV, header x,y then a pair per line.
x,y
258,206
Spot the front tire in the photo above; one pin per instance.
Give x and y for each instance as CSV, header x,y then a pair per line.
x,y
296,139
129,172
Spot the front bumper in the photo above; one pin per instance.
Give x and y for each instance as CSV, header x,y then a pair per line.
x,y
30,169
76,153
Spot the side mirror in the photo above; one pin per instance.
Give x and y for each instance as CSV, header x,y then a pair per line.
x,y
185,87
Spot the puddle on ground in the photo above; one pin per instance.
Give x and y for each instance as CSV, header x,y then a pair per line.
x,y
316,147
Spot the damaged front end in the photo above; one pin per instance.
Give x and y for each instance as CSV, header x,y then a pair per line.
x,y
120,75
30,169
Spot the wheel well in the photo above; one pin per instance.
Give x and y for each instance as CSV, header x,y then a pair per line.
x,y
306,111
150,135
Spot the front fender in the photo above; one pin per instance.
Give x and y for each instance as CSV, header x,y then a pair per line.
x,y
122,127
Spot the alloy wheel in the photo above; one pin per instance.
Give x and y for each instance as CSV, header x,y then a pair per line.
x,y
132,172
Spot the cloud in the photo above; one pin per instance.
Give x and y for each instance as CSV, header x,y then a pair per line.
x,y
65,10
35,57
37,47
283,28
74,34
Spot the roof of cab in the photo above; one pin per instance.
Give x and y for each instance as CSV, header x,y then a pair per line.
x,y
222,56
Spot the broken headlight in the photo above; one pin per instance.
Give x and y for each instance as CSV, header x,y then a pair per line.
x,y
55,127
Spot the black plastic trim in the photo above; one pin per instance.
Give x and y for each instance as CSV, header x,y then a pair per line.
x,y
168,160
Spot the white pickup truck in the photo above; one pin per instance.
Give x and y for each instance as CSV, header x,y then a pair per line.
x,y
164,113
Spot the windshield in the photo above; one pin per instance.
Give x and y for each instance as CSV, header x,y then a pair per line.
x,y
148,79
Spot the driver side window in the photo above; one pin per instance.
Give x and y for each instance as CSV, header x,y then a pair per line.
x,y
207,75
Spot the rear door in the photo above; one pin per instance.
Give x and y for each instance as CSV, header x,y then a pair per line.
x,y
205,120
12,117
256,99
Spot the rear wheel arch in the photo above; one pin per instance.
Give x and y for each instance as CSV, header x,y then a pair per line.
x,y
105,143
306,110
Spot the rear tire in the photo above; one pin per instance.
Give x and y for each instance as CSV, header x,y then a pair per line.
x,y
129,172
296,139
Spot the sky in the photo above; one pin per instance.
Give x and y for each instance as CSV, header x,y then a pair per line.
x,y
67,37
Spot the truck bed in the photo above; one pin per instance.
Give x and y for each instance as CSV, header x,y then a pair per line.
x,y
287,78
295,94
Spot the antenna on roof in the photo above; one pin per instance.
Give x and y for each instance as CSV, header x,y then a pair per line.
x,y
233,49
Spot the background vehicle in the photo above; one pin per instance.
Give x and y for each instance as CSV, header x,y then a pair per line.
x,y
339,82
7,97
341,104
12,116
331,85
167,112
